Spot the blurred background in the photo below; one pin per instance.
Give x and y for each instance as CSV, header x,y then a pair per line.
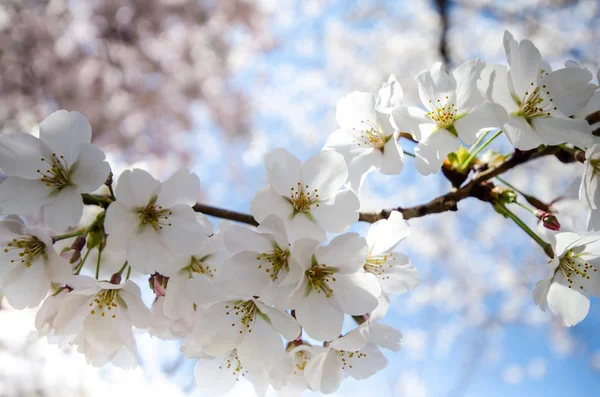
x,y
215,84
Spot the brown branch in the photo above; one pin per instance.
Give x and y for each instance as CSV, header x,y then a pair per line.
x,y
593,118
225,214
477,187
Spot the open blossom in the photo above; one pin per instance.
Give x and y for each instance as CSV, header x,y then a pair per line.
x,y
226,322
356,354
28,263
306,196
455,109
51,172
333,282
98,317
537,102
573,277
393,270
154,222
261,261
366,137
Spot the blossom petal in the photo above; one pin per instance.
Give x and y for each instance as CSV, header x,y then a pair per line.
x,y
410,119
21,155
136,188
183,187
366,366
385,336
22,196
283,323
268,201
570,304
282,170
319,318
64,131
64,210
521,134
570,89
555,131
487,115
356,294
494,85
401,277
240,238
393,157
356,110
347,252
120,224
90,170
340,215
385,234
430,154
26,286
466,75
324,372
524,60
436,87
324,174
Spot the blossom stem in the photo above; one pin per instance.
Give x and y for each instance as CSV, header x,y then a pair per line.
x,y
408,153
98,262
128,273
474,154
67,235
80,266
534,212
478,141
123,267
501,209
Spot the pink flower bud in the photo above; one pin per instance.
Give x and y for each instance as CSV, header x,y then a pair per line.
x,y
159,290
548,220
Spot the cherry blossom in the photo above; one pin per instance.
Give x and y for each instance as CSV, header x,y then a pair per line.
x,y
51,172
572,278
28,263
333,282
537,102
153,221
306,195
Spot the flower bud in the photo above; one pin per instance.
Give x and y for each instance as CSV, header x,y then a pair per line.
x,y
508,196
78,244
548,220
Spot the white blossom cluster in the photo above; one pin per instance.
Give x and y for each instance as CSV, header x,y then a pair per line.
x,y
269,304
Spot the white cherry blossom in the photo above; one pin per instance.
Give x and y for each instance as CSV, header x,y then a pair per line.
x,y
154,222
28,263
537,102
394,272
51,172
589,192
366,137
98,316
306,196
333,282
572,278
455,109
356,354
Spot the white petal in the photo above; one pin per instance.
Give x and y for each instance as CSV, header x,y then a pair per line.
x,y
26,286
524,60
268,201
282,171
274,226
494,85
339,215
409,119
147,251
393,157
570,304
356,294
303,227
64,210
22,196
303,250
435,85
183,187
241,238
401,277
366,366
21,155
487,115
283,323
385,336
120,224
136,188
390,95
90,171
570,89
430,154
347,252
184,233
385,234
466,75
320,320
261,349
555,131
325,172
355,110
353,340
521,134
64,131
324,372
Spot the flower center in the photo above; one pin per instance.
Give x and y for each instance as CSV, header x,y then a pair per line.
x,y
536,102
372,136
571,266
278,261
154,215
320,277
595,163
377,264
301,357
233,363
197,265
347,357
27,249
443,115
302,199
245,313
57,175
105,299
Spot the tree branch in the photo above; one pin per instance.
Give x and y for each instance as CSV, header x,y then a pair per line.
x,y
478,187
